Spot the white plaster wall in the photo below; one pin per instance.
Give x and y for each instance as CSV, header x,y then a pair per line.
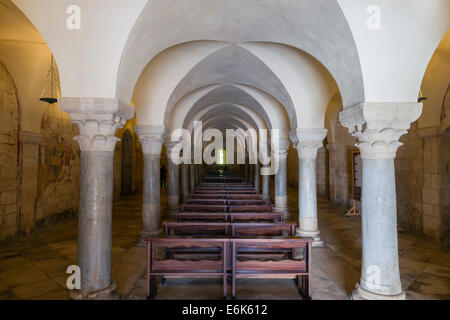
x,y
162,75
88,58
308,83
394,57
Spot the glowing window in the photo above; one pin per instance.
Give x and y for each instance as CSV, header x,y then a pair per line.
x,y
221,156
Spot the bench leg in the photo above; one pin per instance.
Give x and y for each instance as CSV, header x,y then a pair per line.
x,y
303,287
152,288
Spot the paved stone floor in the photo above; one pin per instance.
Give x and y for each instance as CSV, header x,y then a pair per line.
x,y
36,267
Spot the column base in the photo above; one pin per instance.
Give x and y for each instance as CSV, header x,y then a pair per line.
x,y
146,234
362,294
313,234
108,293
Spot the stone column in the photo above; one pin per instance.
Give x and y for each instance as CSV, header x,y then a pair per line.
x,y
251,172
97,119
192,180
246,173
185,181
266,186
173,176
280,155
151,138
378,127
256,177
308,143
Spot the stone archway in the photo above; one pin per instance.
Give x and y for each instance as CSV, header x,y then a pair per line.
x,y
127,164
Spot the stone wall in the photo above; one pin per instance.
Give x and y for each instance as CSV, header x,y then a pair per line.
x,y
9,156
340,166
409,176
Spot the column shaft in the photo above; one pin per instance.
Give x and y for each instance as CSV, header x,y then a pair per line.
x,y
185,181
173,175
281,204
95,218
151,202
256,177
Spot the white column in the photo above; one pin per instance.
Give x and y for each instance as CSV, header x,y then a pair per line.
x,y
308,143
151,138
378,127
173,175
256,177
280,155
97,119
266,186
185,181
192,172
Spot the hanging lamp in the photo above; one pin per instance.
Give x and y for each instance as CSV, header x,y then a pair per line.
x,y
52,75
421,97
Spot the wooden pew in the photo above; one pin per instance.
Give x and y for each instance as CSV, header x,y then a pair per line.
x,y
228,229
203,207
229,216
251,208
243,266
262,229
171,267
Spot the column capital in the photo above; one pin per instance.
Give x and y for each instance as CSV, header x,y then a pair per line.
x,y
308,141
97,118
151,138
281,149
379,126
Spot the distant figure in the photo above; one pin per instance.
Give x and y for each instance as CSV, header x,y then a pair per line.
x,y
163,176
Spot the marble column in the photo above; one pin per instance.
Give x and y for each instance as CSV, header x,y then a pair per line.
x,y
97,120
246,173
378,127
266,186
151,138
185,181
173,178
256,177
280,156
192,172
307,144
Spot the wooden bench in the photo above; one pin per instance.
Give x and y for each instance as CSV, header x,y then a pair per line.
x,y
203,207
251,208
228,229
170,267
244,266
229,216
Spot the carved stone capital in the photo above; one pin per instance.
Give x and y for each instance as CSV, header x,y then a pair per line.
x,y
280,149
308,141
379,126
97,118
151,138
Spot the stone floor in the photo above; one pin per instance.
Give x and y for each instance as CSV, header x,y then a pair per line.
x,y
36,267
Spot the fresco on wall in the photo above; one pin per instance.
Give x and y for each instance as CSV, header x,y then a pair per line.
x,y
59,164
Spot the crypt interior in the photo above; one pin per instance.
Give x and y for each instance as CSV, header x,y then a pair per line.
x,y
88,108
